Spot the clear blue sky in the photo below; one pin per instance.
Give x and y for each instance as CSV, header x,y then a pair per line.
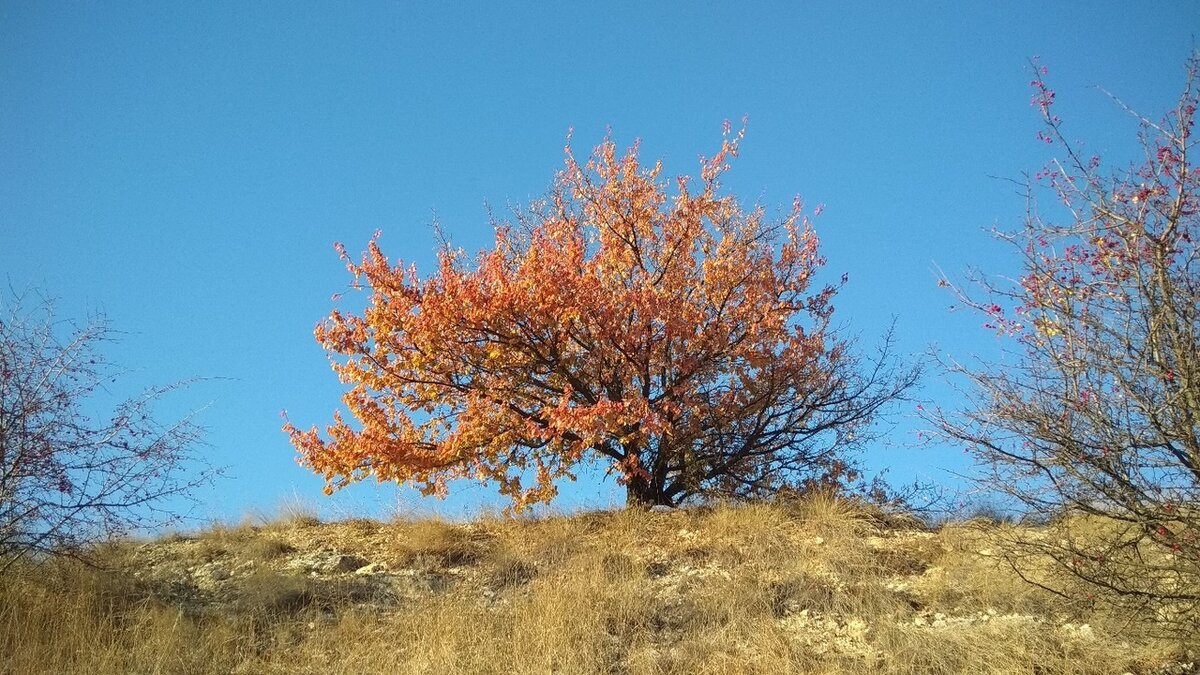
x,y
186,166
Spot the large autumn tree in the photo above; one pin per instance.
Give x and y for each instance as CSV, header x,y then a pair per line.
x,y
673,335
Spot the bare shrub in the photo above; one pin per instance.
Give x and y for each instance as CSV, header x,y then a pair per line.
x,y
70,478
1093,421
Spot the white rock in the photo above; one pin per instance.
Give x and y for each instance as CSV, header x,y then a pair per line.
x,y
211,572
372,568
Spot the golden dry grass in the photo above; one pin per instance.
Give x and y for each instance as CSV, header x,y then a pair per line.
x,y
816,586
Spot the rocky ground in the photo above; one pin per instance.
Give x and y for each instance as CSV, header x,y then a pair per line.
x,y
385,569
817,587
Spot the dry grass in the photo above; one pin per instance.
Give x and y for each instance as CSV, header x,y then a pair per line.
x,y
818,586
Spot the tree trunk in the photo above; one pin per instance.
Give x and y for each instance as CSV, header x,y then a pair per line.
x,y
642,493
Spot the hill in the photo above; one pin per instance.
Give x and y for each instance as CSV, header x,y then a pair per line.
x,y
818,586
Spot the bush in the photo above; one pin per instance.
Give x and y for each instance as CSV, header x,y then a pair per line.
x,y
68,479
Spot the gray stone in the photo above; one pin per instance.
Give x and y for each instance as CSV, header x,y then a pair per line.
x,y
327,562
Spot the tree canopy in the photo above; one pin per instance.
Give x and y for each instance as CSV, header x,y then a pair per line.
x,y
674,335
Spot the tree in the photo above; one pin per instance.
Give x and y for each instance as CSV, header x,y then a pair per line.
x,y
1094,421
67,480
677,338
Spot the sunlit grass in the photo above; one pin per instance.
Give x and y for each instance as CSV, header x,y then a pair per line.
x,y
816,586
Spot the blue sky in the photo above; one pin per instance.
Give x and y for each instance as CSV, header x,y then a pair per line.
x,y
186,167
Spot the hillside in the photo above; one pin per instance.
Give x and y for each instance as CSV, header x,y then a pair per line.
x,y
814,587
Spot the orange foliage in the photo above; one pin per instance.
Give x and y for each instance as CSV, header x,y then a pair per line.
x,y
615,322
